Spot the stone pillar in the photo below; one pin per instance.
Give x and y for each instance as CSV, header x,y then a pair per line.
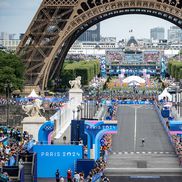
x,y
32,125
76,94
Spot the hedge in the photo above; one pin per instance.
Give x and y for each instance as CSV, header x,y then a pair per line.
x,y
174,69
86,69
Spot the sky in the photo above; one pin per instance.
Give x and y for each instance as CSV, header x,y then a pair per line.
x,y
16,15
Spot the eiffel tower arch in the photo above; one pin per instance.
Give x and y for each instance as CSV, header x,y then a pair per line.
x,y
58,23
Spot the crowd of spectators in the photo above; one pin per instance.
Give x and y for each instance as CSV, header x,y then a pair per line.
x,y
106,143
100,166
76,177
12,143
47,104
113,56
78,57
151,56
119,57
177,141
3,101
127,95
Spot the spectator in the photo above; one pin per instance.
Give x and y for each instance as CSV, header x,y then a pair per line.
x,y
57,175
61,179
76,177
69,176
81,177
104,179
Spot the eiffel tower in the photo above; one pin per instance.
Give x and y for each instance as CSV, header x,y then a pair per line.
x,y
58,23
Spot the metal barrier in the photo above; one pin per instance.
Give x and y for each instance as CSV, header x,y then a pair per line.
x,y
162,120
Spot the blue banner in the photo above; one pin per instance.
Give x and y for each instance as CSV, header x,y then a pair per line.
x,y
53,157
134,102
175,125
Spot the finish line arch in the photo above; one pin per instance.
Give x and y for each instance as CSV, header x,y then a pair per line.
x,y
58,23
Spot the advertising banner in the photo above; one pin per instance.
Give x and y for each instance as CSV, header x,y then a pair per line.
x,y
175,125
134,102
53,157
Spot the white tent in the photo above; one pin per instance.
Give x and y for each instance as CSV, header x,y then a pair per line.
x,y
165,93
33,94
134,83
134,79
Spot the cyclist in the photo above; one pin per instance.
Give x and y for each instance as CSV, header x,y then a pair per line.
x,y
143,141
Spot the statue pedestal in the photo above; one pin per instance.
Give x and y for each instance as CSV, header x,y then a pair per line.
x,y
32,125
76,93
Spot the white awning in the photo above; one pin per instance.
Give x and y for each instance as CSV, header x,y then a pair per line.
x,y
33,94
134,79
165,93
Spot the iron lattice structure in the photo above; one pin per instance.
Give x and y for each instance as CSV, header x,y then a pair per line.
x,y
58,23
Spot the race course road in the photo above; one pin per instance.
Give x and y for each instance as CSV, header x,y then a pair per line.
x,y
129,158
136,122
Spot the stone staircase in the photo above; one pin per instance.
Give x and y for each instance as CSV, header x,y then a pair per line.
x,y
28,172
160,164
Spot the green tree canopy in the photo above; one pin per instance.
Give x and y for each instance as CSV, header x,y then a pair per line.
x,y
174,68
11,71
86,69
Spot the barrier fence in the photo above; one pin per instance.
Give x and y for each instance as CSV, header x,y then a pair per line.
x,y
163,121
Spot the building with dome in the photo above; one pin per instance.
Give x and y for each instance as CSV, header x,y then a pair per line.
x,y
132,43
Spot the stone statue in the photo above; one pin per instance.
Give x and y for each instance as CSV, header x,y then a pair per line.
x,y
76,83
34,108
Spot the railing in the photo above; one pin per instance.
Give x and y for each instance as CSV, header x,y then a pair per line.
x,y
26,157
34,168
168,133
33,161
13,172
97,177
21,174
162,120
64,116
60,143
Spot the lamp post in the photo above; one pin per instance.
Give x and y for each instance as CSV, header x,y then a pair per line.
x,y
7,87
73,114
178,99
82,109
78,112
88,112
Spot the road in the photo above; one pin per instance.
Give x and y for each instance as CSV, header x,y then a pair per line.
x,y
136,122
129,158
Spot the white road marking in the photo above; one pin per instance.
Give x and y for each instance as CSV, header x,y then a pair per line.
x,y
135,129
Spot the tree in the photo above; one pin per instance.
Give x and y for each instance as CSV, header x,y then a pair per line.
x,y
11,71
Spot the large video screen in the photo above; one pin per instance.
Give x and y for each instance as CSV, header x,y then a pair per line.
x,y
133,57
151,56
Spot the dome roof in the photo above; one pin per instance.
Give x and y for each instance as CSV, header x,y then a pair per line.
x,y
132,42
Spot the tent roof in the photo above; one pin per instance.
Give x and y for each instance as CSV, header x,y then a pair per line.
x,y
134,83
134,79
165,93
33,94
